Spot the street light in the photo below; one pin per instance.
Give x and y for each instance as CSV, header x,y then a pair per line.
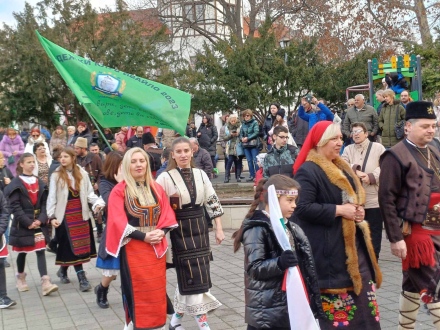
x,y
284,43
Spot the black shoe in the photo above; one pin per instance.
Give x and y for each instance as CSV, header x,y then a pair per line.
x,y
101,296
226,179
251,179
84,284
63,276
6,302
6,263
242,177
175,327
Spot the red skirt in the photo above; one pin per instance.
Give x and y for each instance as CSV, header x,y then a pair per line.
x,y
40,244
143,281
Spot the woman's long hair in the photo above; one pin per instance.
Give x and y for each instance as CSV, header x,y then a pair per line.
x,y
172,164
63,176
281,182
128,178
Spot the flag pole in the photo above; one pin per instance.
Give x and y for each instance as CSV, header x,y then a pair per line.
x,y
99,130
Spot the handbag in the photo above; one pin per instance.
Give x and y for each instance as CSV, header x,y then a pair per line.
x,y
249,144
399,127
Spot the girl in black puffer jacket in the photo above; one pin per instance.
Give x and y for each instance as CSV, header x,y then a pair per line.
x,y
265,261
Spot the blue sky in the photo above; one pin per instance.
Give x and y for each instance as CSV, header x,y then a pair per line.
x,y
7,7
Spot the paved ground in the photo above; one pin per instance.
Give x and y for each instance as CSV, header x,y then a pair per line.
x,y
72,309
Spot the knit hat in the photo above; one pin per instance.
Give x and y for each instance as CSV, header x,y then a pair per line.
x,y
148,138
312,140
420,109
281,112
81,123
81,142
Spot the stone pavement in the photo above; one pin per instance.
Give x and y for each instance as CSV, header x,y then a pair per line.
x,y
71,309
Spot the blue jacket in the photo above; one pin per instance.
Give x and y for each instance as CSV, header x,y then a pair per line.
x,y
324,113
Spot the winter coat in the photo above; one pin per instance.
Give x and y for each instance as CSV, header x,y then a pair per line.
x,y
71,140
4,214
203,161
387,119
250,130
7,147
59,194
208,137
366,115
267,126
280,161
84,134
231,141
25,213
266,302
313,117
58,139
92,164
135,141
315,213
5,172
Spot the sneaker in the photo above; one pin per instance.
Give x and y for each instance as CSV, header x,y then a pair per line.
x,y
6,302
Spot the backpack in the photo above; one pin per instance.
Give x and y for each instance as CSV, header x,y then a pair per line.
x,y
154,154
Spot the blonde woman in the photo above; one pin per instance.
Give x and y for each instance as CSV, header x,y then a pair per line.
x,y
139,216
70,193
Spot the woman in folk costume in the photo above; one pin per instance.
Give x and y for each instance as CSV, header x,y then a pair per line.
x,y
27,197
190,191
70,192
139,216
330,211
266,262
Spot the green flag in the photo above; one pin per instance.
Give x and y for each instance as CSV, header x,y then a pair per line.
x,y
115,98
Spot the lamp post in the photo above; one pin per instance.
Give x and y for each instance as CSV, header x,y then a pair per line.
x,y
284,43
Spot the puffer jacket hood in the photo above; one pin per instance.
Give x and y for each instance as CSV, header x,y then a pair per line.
x,y
266,303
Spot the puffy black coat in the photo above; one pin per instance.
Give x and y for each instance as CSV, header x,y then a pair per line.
x,y
208,137
266,302
23,210
4,215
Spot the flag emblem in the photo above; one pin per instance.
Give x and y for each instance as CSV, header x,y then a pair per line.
x,y
107,84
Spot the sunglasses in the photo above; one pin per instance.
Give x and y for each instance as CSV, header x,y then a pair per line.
x,y
33,135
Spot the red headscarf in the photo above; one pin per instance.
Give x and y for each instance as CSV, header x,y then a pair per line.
x,y
312,139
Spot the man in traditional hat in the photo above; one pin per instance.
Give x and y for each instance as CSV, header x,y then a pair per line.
x,y
409,199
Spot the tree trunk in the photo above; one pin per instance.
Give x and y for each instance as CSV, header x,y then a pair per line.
x,y
422,19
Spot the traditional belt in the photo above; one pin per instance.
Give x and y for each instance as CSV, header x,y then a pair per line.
x,y
146,229
433,218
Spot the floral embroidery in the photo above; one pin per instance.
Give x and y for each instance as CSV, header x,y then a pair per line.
x,y
373,302
202,320
339,308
